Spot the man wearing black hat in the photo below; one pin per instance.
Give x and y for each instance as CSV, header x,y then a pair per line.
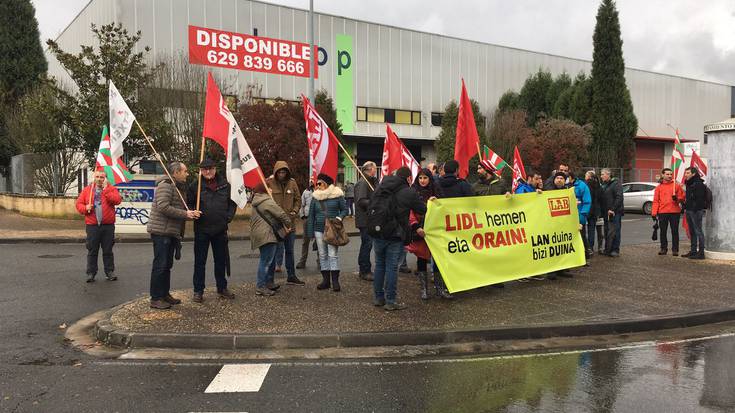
x,y
211,228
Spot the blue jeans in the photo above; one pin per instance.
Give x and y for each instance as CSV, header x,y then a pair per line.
x,y
385,277
202,242
694,219
163,260
366,245
286,245
265,265
328,254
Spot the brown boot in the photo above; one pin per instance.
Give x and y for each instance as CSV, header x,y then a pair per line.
x,y
171,300
198,298
226,294
160,305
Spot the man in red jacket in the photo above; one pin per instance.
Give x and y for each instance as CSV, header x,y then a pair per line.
x,y
97,204
666,207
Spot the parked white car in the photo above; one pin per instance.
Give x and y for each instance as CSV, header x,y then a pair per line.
x,y
638,196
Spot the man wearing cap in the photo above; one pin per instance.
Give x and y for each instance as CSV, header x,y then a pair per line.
x,y
217,210
488,183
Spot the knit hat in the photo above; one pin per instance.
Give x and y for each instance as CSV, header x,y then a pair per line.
x,y
403,172
325,178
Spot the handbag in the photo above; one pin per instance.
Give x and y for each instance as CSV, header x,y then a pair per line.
x,y
334,229
278,229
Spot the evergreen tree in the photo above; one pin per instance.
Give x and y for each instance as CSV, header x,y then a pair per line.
x,y
444,143
509,101
559,86
533,96
580,105
614,123
21,66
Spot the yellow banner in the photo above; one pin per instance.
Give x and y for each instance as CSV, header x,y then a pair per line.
x,y
483,240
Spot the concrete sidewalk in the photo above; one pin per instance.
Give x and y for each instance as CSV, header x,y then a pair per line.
x,y
638,292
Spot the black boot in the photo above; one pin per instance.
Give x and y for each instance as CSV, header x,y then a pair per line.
x,y
325,281
335,281
424,281
441,289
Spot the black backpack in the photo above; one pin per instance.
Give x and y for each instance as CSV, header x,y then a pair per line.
x,y
707,197
381,215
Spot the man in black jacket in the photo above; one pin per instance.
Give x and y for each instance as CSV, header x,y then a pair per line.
x,y
696,195
611,206
388,248
449,187
363,194
211,228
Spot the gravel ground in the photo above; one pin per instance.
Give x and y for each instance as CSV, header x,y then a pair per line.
x,y
639,284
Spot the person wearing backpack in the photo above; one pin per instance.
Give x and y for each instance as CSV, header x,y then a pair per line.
x,y
695,205
388,225
328,201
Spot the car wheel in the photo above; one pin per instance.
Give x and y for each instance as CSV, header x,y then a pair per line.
x,y
647,208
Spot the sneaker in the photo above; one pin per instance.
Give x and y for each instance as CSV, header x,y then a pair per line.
x,y
90,278
615,254
367,276
264,292
378,302
226,294
538,278
523,280
111,277
272,286
171,300
160,305
293,280
301,265
687,255
198,298
394,306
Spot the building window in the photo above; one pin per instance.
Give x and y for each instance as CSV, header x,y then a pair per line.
x,y
402,117
375,115
271,101
361,114
436,118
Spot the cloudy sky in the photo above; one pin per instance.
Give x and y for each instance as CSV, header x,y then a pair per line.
x,y
688,38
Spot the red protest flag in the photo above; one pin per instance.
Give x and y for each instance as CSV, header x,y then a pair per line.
x,y
698,163
396,155
322,143
519,172
467,141
242,169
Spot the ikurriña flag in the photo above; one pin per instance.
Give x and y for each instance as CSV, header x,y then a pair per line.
x,y
396,155
242,169
322,143
497,162
114,167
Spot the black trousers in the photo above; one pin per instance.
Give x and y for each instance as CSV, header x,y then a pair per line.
x,y
202,242
100,236
163,260
665,221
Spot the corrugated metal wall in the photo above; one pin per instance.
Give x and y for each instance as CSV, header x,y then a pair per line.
x,y
394,68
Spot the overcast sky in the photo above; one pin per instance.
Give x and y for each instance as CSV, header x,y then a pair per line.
x,y
688,38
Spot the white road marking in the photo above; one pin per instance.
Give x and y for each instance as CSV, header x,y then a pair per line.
x,y
235,378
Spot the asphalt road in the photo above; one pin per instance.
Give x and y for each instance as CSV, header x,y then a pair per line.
x,y
44,291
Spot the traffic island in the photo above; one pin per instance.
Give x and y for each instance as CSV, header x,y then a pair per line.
x,y
639,291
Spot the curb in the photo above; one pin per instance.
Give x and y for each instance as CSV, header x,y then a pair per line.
x,y
105,332
121,240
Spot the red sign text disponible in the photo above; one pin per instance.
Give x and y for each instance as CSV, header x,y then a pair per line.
x,y
240,51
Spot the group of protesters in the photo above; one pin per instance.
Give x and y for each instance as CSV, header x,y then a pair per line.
x,y
389,215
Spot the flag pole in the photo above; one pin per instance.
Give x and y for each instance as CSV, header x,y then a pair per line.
x,y
162,164
354,163
199,179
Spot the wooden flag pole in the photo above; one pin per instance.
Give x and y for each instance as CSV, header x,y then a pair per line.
x,y
354,163
162,164
199,179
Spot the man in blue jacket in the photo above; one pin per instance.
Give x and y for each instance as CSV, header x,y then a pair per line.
x,y
584,204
